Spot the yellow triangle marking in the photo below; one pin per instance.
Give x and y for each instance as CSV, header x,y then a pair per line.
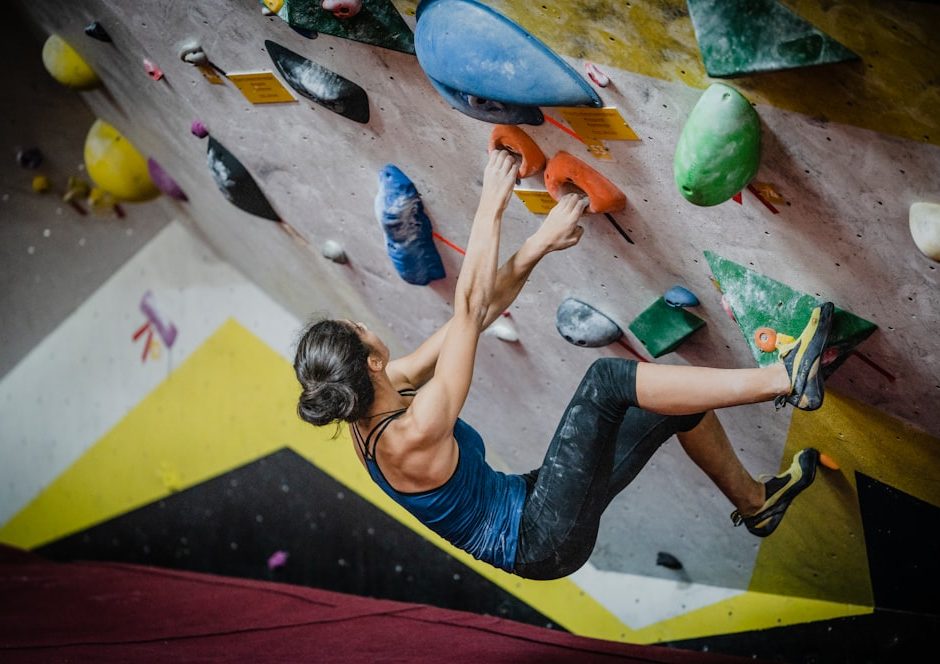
x,y
746,612
819,549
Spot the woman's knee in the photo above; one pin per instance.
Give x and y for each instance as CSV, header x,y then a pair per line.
x,y
611,378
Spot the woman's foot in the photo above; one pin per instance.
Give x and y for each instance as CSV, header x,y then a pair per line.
x,y
779,491
803,360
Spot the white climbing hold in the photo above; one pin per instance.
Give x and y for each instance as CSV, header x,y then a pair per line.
x,y
925,228
503,329
334,251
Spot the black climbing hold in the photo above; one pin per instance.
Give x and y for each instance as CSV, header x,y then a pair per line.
x,y
668,560
96,31
29,158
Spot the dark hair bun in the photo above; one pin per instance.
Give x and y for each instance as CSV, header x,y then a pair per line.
x,y
331,366
322,403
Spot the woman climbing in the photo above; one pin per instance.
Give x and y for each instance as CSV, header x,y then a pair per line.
x,y
403,414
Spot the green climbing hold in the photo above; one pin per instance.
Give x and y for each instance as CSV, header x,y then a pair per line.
x,y
759,301
377,23
738,37
661,328
719,149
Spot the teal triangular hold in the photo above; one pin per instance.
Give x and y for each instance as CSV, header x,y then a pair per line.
x,y
738,37
759,301
661,328
377,23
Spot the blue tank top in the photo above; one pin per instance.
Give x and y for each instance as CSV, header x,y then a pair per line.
x,y
478,509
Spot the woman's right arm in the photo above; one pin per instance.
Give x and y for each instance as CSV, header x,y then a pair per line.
x,y
436,407
560,230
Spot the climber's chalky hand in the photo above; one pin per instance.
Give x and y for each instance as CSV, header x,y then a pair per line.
x,y
560,229
499,178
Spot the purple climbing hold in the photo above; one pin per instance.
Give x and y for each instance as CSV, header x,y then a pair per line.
x,y
164,182
199,129
277,559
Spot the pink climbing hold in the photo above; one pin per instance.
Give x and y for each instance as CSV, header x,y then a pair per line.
x,y
342,8
595,74
277,559
153,71
727,308
199,129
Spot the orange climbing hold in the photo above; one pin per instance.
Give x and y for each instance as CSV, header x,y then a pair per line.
x,y
828,461
519,143
564,168
766,339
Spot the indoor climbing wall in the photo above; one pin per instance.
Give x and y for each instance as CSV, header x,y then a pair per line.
x,y
338,164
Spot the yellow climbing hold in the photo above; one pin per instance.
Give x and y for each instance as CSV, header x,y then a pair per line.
x,y
66,66
115,164
274,5
40,184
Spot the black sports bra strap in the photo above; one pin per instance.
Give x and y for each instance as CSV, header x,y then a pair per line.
x,y
376,432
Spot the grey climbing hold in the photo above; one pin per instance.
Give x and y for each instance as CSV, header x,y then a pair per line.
x,y
334,251
679,296
583,325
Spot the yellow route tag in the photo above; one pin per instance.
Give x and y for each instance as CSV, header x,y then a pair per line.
x,y
261,87
598,124
538,201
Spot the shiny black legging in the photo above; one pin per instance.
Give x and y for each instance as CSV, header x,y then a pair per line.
x,y
603,440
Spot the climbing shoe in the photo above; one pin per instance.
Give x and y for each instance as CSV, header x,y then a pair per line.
x,y
780,490
803,361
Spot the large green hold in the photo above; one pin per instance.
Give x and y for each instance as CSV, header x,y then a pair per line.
x,y
377,23
719,149
738,37
759,301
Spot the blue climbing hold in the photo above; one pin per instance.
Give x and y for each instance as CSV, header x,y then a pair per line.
x,y
471,48
488,110
583,325
678,296
408,239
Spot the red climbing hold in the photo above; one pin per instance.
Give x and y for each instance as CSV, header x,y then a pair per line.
x,y
766,339
519,143
564,168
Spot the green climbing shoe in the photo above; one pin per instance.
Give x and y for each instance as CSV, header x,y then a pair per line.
x,y
803,359
780,490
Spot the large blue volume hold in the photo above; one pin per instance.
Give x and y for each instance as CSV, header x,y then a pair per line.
x,y
471,48
488,110
408,238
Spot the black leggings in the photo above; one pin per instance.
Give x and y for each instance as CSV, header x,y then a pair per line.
x,y
603,440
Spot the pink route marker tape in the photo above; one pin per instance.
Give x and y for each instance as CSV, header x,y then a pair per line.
x,y
167,331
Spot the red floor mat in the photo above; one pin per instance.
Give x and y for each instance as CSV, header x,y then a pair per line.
x,y
112,612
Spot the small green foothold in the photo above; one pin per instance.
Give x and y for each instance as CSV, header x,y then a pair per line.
x,y
719,150
662,328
